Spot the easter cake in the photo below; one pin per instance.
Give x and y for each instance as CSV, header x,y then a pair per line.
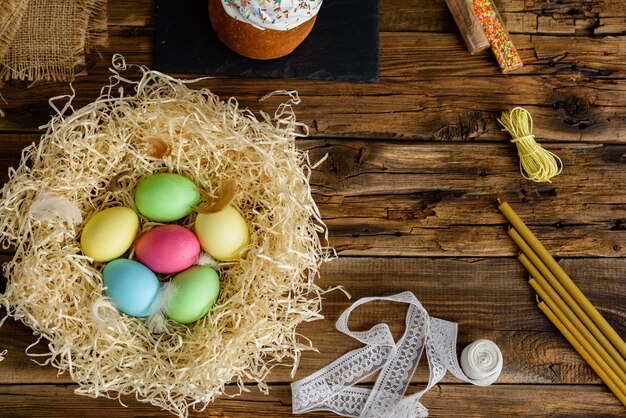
x,y
263,29
155,251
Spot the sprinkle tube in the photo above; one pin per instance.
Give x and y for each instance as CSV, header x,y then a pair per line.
x,y
470,28
495,31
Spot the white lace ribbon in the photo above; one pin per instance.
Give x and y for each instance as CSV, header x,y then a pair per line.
x,y
333,387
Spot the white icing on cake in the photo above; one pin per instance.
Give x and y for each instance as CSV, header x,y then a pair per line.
x,y
272,14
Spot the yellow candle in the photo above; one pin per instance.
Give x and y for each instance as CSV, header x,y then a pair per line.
x,y
563,278
583,353
609,369
539,270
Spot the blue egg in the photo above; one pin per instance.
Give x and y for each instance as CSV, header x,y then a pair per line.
x,y
132,286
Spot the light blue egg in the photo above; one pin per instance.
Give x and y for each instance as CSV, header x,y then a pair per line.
x,y
132,286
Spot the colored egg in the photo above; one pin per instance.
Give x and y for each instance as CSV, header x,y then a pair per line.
x,y
195,291
168,249
109,233
166,197
224,234
133,287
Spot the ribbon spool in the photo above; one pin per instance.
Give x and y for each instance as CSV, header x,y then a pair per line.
x,y
536,164
481,359
333,387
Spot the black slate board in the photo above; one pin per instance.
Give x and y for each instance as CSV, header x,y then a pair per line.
x,y
342,46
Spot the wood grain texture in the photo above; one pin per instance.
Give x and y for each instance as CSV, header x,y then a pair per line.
x,y
582,17
430,89
432,199
564,17
415,163
488,298
445,400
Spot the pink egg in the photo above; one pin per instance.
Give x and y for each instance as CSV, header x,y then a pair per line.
x,y
168,249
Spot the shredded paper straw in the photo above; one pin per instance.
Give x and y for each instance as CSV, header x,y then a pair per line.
x,y
94,157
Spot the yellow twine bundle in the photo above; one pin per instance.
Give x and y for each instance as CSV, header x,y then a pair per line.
x,y
536,163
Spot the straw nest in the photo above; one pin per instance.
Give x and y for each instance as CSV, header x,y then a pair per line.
x,y
93,158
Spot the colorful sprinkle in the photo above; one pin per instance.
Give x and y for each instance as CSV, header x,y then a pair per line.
x,y
272,14
498,37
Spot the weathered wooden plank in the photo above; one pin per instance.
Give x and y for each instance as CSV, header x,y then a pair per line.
x,y
430,89
444,400
377,168
131,13
465,108
409,200
532,357
397,198
382,198
564,17
438,199
591,57
441,54
489,298
583,17
609,25
135,41
415,16
10,152
472,241
580,50
436,108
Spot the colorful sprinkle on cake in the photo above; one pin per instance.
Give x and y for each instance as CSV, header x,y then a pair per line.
x,y
272,14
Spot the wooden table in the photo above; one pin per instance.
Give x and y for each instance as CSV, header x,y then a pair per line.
x,y
415,164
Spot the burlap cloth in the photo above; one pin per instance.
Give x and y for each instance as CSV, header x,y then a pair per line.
x,y
48,39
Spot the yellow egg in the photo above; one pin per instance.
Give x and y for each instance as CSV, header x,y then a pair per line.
x,y
224,234
108,234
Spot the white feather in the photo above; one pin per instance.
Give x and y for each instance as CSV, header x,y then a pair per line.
x,y
206,260
48,207
157,321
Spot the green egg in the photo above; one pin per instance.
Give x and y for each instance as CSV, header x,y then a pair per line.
x,y
166,197
196,290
